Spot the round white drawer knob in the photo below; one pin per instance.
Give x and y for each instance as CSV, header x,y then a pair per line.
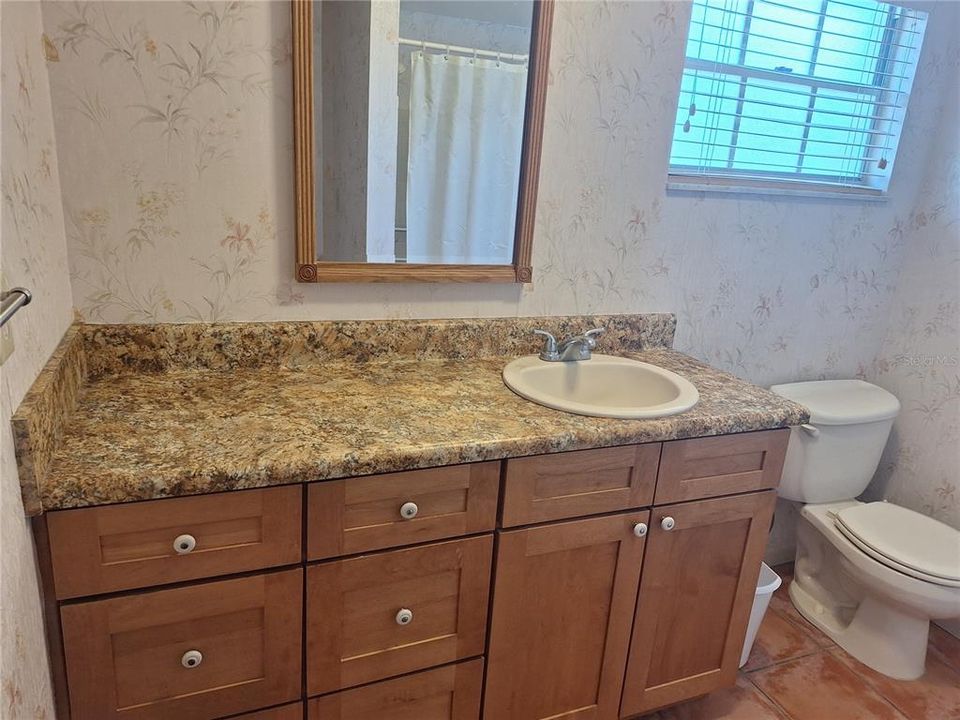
x,y
404,616
191,659
640,529
409,510
667,523
184,544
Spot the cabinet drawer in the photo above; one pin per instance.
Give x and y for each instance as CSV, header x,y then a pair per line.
x,y
120,547
446,693
129,657
723,465
377,616
360,514
284,712
583,482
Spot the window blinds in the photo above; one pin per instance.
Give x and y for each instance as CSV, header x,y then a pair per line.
x,y
795,91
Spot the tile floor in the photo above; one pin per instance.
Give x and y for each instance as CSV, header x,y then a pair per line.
x,y
795,672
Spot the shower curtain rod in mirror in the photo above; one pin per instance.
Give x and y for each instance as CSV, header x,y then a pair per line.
x,y
493,54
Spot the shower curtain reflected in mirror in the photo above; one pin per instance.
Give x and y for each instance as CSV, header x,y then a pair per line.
x,y
463,169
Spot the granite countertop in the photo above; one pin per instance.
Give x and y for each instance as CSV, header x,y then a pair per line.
x,y
191,430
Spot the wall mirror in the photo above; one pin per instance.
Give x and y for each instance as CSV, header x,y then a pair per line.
x,y
418,127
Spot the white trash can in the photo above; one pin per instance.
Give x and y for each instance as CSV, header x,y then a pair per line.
x,y
767,584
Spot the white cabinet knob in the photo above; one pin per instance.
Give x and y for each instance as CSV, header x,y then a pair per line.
x,y
184,544
404,616
409,510
667,523
640,529
191,659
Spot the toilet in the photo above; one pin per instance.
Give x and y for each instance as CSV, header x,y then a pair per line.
x,y
869,575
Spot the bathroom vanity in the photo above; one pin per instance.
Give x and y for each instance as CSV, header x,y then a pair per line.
x,y
420,543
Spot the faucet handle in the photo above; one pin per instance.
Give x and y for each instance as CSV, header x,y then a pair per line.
x,y
591,336
549,352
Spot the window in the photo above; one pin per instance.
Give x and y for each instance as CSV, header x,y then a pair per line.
x,y
803,94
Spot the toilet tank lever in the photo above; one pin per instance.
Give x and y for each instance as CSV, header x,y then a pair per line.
x,y
811,430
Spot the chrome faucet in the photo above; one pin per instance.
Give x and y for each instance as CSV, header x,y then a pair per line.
x,y
575,348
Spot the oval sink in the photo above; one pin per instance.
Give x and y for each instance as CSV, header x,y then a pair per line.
x,y
604,386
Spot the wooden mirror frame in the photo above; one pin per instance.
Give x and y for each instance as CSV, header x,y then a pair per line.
x,y
309,269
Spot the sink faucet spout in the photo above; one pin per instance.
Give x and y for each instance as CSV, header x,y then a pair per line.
x,y
572,349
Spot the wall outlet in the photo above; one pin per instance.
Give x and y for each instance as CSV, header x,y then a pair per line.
x,y
6,332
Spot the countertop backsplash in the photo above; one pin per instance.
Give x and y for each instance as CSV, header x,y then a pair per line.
x,y
222,346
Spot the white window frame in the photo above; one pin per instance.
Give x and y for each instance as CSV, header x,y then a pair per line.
x,y
734,180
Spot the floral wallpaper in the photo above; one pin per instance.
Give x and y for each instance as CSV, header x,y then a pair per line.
x,y
919,360
174,126
33,254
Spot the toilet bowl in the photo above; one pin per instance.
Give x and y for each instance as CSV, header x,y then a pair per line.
x,y
871,576
876,612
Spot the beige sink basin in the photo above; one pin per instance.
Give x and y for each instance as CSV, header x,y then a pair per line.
x,y
604,386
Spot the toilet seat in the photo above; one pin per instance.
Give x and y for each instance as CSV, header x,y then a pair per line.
x,y
903,540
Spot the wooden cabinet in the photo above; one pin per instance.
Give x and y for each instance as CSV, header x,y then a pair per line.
x,y
119,547
563,604
722,465
699,576
574,484
202,651
293,711
623,582
381,511
451,692
377,616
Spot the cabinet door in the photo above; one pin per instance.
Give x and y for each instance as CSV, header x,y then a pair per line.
x,y
563,604
698,585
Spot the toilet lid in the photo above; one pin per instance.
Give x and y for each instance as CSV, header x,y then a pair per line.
x,y
841,402
904,540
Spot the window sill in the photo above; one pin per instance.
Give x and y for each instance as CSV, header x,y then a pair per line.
x,y
745,186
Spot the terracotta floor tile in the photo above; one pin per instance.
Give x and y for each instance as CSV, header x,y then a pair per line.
x,y
781,603
935,696
779,639
821,687
945,646
741,702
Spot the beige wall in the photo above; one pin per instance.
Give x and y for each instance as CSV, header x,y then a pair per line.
x,y
33,253
919,360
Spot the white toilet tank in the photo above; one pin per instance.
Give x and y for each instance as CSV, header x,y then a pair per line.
x,y
834,457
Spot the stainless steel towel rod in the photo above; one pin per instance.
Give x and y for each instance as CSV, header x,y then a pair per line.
x,y
13,300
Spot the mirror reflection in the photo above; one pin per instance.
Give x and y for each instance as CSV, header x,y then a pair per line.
x,y
419,110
